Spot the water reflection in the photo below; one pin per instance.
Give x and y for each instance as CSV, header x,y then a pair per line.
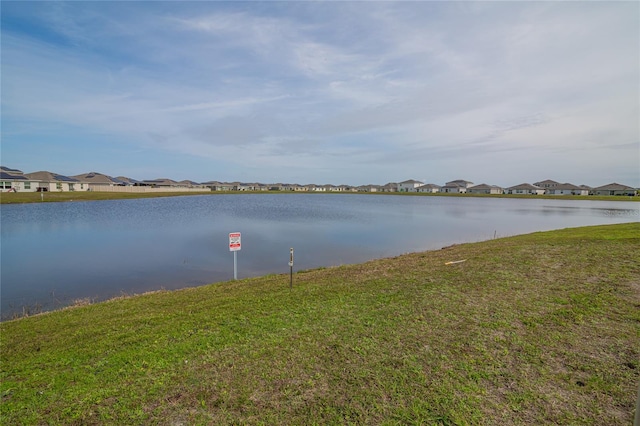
x,y
53,253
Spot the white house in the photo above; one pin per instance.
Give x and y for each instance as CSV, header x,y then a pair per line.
x,y
526,189
431,188
409,185
456,186
14,180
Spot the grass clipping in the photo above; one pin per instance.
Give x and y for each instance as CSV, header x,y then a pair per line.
x,y
535,329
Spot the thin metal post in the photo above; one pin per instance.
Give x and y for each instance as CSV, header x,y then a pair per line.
x,y
291,268
235,265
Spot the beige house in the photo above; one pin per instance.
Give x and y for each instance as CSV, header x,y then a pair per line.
x,y
96,181
483,188
47,181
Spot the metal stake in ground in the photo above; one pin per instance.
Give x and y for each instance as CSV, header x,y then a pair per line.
x,y
291,268
235,244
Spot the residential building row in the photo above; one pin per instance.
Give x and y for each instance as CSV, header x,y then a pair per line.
x,y
43,181
545,187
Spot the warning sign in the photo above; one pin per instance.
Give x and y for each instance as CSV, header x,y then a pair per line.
x,y
234,241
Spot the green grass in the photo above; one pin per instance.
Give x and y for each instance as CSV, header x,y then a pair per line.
x,y
51,197
534,329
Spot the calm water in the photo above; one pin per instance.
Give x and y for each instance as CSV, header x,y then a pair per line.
x,y
54,253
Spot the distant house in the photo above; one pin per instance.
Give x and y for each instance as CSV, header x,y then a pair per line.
x,y
344,188
160,183
189,184
127,181
389,187
95,181
483,188
369,188
614,189
48,181
14,180
525,188
547,184
409,185
243,186
588,188
429,188
566,189
219,186
456,186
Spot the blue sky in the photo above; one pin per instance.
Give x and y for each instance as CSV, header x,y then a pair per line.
x,y
324,92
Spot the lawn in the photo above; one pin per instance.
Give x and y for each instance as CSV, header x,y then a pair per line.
x,y
51,197
534,329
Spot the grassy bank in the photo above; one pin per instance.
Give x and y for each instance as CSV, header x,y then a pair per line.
x,y
48,197
535,329
52,197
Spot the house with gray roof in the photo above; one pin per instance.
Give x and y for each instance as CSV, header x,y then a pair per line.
x,y
409,185
14,180
547,184
95,181
369,188
48,181
483,188
389,187
159,183
525,189
127,180
614,189
458,186
189,184
430,188
566,189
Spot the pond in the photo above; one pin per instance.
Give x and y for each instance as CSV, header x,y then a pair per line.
x,y
54,254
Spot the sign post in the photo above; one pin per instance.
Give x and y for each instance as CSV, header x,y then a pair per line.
x,y
235,244
291,268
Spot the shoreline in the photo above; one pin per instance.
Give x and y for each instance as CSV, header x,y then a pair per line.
x,y
48,197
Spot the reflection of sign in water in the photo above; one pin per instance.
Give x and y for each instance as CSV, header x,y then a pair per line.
x,y
234,241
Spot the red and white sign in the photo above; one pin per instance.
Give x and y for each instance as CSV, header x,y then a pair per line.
x,y
234,241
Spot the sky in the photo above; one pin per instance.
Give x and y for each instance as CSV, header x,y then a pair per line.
x,y
352,93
